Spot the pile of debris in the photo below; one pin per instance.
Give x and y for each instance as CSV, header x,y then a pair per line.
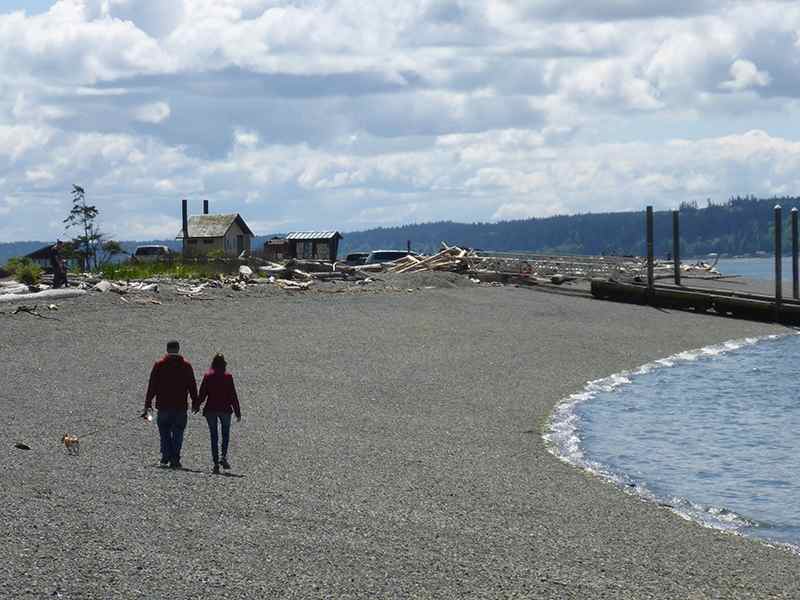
x,y
489,268
537,268
449,259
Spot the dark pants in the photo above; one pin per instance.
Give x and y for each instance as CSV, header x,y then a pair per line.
x,y
171,424
225,421
59,278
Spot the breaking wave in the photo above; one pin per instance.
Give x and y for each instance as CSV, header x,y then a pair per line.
x,y
564,430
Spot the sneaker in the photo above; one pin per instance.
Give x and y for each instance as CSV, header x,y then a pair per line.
x,y
163,462
175,464
225,464
215,470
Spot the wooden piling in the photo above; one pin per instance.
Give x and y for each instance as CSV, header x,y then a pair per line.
x,y
649,226
778,264
795,272
676,245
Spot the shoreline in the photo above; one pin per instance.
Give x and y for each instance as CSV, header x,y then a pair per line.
x,y
562,439
390,447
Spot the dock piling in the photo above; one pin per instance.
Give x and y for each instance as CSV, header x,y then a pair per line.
x,y
778,264
676,245
795,272
649,219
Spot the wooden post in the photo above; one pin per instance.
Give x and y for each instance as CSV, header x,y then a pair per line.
x,y
185,225
676,246
408,246
778,264
649,218
795,272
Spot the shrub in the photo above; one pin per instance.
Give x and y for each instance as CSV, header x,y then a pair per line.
x,y
24,270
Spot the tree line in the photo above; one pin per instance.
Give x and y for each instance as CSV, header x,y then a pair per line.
x,y
739,226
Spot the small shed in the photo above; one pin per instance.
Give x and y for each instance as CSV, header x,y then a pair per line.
x,y
315,245
207,233
276,248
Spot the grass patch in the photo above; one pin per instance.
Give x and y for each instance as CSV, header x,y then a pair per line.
x,y
159,269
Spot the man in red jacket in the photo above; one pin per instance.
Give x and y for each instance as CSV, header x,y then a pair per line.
x,y
171,380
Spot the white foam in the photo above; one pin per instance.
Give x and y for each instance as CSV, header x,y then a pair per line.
x,y
563,437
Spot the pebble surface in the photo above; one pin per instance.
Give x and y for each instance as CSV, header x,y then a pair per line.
x,y
390,447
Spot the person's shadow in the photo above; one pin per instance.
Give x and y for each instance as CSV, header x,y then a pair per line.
x,y
197,471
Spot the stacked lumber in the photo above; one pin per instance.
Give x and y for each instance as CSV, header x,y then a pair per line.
x,y
451,258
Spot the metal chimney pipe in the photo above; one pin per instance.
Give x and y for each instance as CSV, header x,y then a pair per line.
x,y
205,207
185,219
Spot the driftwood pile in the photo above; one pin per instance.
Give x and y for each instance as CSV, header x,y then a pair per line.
x,y
537,268
488,268
449,259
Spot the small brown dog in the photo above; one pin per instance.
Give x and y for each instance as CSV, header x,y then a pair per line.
x,y
72,443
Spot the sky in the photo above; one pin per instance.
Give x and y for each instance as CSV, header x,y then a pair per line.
x,y
348,115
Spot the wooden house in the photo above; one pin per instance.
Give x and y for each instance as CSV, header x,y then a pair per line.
x,y
226,234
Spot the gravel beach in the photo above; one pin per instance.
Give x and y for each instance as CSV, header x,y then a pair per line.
x,y
391,447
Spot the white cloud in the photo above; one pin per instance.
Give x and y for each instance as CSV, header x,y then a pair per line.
x,y
154,113
38,176
745,75
340,113
148,228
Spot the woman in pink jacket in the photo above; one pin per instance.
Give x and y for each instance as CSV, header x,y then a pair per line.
x,y
219,394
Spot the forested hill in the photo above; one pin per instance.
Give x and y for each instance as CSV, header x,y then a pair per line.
x,y
738,226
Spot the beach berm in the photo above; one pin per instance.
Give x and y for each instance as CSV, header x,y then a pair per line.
x,y
391,448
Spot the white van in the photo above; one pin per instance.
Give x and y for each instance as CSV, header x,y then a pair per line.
x,y
150,253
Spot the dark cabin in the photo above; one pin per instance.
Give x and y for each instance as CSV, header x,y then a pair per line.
x,y
42,256
314,245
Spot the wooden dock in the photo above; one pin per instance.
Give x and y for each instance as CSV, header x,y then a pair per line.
x,y
755,307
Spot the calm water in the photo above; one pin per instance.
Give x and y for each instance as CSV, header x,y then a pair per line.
x,y
756,268
713,433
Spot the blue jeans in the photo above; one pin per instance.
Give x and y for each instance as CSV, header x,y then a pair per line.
x,y
171,424
225,420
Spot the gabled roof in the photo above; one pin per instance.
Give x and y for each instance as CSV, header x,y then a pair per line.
x,y
213,226
313,235
41,253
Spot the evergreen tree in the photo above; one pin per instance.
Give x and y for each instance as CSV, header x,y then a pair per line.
x,y
83,216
